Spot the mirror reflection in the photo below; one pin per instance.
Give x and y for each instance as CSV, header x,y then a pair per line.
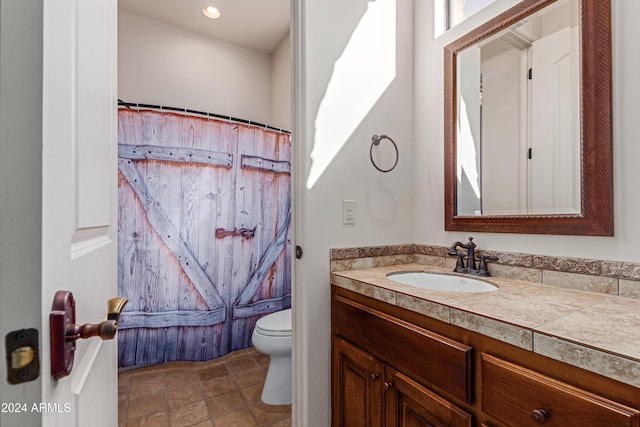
x,y
564,125
518,117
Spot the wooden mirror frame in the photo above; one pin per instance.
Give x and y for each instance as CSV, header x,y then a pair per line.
x,y
596,217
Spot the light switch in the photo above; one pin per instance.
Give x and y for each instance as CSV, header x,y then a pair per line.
x,y
349,212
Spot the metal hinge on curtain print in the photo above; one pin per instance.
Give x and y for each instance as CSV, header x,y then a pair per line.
x,y
246,233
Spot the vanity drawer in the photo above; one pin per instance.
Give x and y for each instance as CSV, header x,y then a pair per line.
x,y
519,396
425,356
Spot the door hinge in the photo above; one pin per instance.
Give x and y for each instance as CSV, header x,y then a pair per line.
x,y
530,73
298,252
530,153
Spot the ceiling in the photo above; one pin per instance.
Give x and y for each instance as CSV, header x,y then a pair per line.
x,y
256,24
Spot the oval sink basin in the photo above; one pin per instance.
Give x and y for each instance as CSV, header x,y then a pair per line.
x,y
442,282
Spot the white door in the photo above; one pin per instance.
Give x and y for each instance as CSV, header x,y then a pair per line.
x,y
79,226
555,160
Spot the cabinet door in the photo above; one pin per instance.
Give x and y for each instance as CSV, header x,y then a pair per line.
x,y
427,357
357,383
411,405
520,397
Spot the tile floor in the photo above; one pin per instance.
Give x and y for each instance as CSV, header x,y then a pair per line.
x,y
223,392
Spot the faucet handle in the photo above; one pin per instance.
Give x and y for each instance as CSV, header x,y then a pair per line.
x,y
483,270
460,268
453,251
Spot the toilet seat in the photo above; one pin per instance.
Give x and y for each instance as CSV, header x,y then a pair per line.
x,y
276,324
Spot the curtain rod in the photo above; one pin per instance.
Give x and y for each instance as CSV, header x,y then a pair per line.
x,y
136,105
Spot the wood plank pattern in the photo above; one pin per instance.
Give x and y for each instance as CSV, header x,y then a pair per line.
x,y
164,319
178,287
174,154
270,255
170,236
264,306
256,162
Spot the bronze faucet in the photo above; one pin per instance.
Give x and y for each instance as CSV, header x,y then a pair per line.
x,y
471,256
470,268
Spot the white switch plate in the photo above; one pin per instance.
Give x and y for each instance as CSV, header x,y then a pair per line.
x,y
349,212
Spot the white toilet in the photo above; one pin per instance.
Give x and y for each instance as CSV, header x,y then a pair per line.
x,y
272,336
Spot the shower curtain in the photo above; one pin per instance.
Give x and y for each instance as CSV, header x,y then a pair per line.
x,y
204,233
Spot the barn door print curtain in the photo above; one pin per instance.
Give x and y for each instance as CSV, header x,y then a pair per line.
x,y
204,236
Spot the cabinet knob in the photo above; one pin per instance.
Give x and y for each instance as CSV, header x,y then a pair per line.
x,y
388,385
539,415
374,377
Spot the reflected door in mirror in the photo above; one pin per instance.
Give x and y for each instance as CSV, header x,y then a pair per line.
x,y
518,140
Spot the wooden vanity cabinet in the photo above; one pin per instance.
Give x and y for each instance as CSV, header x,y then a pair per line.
x,y
522,397
378,364
423,355
392,367
409,404
368,393
358,393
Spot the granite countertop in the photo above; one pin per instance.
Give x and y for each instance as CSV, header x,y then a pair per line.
x,y
596,332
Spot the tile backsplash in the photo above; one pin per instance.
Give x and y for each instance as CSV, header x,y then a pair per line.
x,y
608,277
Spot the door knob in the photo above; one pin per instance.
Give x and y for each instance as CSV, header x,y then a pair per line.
x,y
114,308
64,330
106,329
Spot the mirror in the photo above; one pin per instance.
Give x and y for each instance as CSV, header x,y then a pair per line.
x,y
518,91
528,144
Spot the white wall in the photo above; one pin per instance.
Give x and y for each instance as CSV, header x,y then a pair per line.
x,y
503,171
281,85
161,64
383,201
428,179
21,191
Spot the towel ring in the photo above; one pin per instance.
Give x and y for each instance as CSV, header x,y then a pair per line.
x,y
375,140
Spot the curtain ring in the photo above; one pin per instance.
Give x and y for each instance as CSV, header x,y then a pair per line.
x,y
375,140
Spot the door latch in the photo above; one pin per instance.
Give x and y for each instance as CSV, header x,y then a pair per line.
x,y
23,360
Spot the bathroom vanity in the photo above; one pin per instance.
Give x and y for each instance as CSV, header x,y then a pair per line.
x,y
402,356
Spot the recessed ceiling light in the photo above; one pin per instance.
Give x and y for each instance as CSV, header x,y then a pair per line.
x,y
211,12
